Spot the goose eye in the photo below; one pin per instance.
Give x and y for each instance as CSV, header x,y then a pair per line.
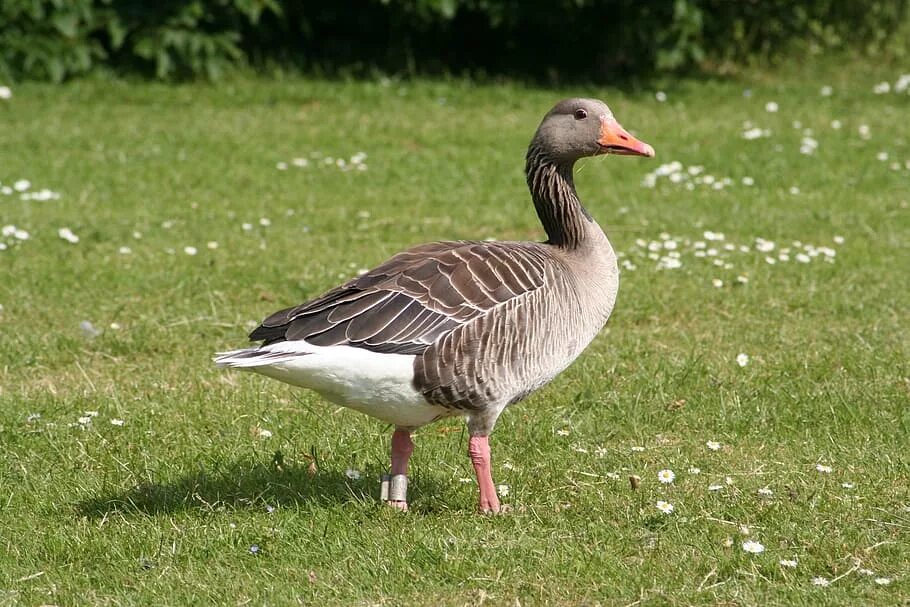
x,y
580,114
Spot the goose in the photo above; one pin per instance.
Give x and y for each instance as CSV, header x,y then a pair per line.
x,y
461,328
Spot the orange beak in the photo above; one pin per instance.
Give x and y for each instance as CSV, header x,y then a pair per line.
x,y
616,140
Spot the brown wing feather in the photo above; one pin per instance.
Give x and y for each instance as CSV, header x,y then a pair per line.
x,y
415,298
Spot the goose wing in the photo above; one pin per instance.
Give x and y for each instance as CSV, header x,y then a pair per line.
x,y
415,298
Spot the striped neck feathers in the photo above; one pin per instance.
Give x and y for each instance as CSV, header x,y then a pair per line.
x,y
565,220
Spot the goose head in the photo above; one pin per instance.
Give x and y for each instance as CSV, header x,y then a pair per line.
x,y
576,128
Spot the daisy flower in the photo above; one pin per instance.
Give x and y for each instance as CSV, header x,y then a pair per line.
x,y
753,547
666,476
823,468
67,235
821,581
665,507
713,445
789,563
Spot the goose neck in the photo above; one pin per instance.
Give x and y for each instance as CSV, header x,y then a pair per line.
x,y
566,222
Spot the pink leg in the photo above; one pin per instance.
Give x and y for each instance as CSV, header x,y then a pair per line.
x,y
402,447
479,450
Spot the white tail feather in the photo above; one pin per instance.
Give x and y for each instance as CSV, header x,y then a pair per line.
x,y
254,357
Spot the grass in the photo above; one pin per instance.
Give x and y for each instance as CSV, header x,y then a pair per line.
x,y
165,508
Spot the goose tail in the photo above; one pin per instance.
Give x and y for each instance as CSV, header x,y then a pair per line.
x,y
247,358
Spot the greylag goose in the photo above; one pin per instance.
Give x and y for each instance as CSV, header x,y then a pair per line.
x,y
462,328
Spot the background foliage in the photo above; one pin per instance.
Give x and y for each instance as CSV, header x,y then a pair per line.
x,y
552,39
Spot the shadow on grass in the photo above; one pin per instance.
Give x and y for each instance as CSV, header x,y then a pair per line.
x,y
239,485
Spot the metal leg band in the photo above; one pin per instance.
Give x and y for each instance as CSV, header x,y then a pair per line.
x,y
398,488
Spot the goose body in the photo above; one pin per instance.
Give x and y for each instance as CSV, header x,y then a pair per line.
x,y
462,328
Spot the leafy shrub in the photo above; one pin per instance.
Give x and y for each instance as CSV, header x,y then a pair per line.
x,y
56,39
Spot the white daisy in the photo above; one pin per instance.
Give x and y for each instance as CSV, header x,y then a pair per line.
x,y
712,445
771,107
694,470
790,563
502,490
666,476
823,468
742,359
715,487
190,250
765,492
67,235
665,507
753,547
117,422
821,581
882,581
352,474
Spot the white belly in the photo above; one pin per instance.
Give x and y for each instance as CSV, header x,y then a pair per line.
x,y
380,385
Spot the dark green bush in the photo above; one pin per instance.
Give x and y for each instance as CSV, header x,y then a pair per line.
x,y
56,39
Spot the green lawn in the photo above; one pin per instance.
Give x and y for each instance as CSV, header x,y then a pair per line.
x,y
167,507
